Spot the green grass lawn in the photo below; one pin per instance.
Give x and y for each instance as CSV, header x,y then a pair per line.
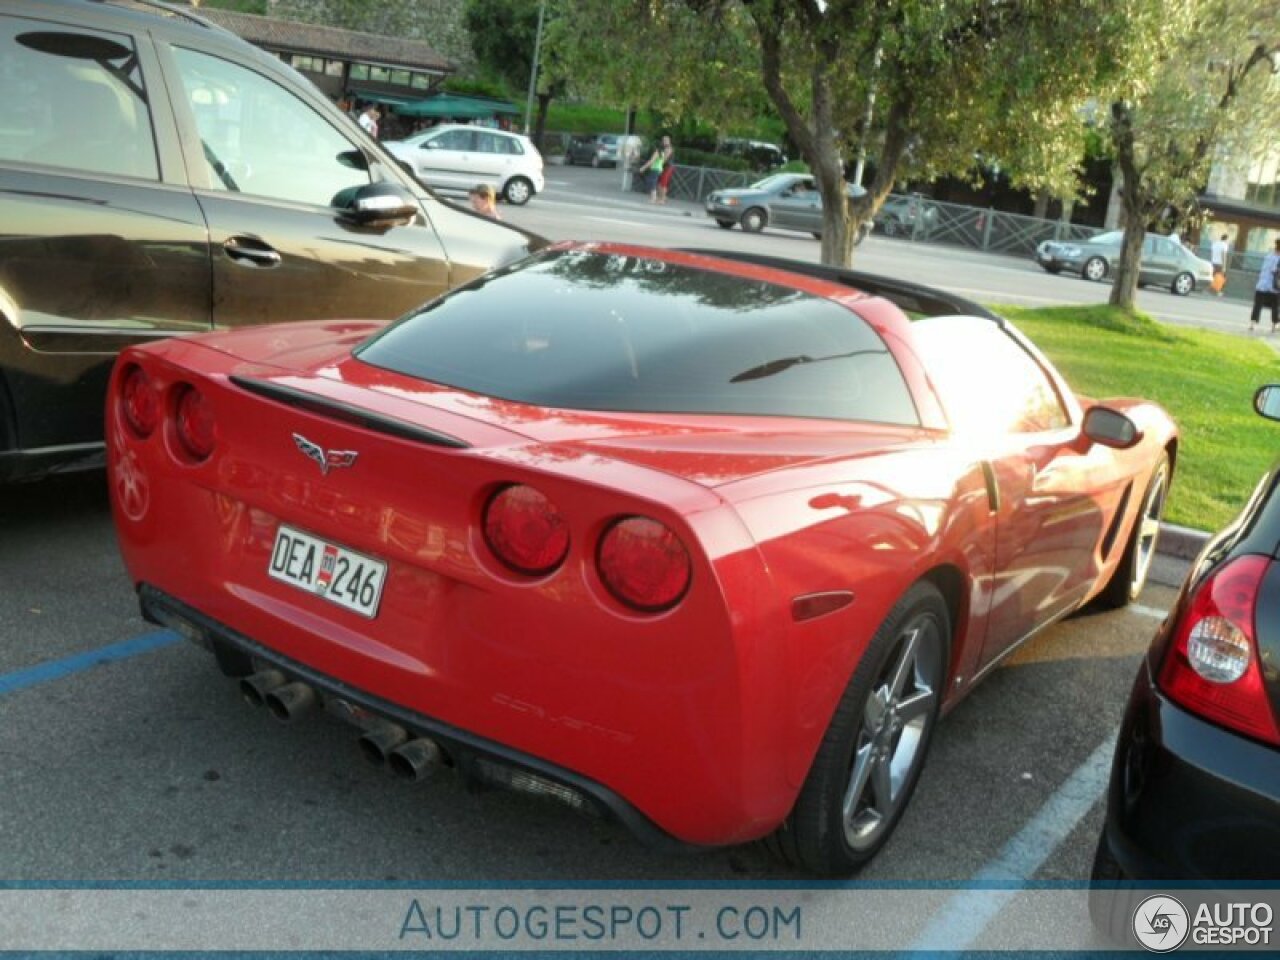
x,y
1205,380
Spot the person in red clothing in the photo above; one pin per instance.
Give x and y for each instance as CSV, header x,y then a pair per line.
x,y
668,169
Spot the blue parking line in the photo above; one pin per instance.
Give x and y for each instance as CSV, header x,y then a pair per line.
x,y
965,915
57,669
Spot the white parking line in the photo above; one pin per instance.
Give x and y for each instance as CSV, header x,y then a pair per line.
x,y
966,914
1151,612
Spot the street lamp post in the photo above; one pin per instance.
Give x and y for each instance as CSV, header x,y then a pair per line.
x,y
533,71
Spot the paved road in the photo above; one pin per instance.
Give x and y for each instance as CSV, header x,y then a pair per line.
x,y
149,768
582,203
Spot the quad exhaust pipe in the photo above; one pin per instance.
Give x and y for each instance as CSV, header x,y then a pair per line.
x,y
377,742
289,702
255,687
416,760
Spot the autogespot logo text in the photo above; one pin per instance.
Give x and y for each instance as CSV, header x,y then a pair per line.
x,y
1161,923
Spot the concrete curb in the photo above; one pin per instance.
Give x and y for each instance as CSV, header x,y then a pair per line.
x,y
1181,542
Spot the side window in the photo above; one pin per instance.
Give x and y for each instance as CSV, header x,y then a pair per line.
x,y
260,139
1164,248
74,99
988,384
453,140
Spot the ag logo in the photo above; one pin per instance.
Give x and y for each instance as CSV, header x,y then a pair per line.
x,y
1161,924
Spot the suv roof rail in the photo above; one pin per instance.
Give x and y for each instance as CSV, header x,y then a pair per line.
x,y
911,298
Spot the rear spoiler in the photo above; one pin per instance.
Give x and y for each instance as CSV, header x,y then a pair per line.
x,y
911,298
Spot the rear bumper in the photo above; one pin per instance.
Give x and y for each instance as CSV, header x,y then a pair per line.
x,y
1189,800
473,756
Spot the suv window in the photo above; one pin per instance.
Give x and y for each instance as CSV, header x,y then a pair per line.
x,y
260,139
595,331
74,99
988,383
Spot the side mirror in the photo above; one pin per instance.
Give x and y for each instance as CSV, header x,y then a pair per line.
x,y
1267,401
1111,428
379,205
430,145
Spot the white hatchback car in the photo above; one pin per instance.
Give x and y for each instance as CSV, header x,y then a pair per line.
x,y
457,157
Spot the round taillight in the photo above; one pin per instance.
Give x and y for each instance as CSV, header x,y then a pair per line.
x,y
194,424
644,564
140,401
525,530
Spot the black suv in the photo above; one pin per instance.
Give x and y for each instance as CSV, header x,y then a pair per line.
x,y
160,177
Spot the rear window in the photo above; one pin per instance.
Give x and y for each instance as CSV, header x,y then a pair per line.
x,y
593,331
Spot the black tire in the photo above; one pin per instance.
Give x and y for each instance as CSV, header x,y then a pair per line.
x,y
892,228
1111,906
518,191
1183,284
595,160
1051,268
816,235
1130,575
724,224
867,733
753,220
1095,269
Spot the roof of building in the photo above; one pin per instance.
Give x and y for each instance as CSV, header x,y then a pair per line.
x,y
331,42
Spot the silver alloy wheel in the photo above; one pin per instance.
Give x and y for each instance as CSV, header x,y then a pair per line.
x,y
518,191
895,725
1183,284
1095,268
1149,529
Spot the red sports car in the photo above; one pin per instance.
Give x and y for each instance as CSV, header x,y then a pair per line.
x,y
705,543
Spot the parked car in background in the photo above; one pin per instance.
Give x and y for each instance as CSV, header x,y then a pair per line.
x,y
787,200
706,543
141,202
761,155
458,156
596,150
1195,786
1165,262
906,216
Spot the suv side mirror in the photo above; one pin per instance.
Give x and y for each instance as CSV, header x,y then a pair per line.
x,y
379,205
1267,401
1111,428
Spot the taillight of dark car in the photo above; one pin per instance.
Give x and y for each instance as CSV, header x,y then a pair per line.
x,y
1212,666
644,564
525,530
140,402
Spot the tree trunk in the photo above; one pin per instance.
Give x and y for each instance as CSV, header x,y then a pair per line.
x,y
540,124
1124,285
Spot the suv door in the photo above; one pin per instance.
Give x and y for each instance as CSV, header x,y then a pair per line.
x,y
101,242
271,173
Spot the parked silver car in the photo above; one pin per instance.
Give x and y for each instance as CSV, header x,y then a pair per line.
x,y
789,200
1165,262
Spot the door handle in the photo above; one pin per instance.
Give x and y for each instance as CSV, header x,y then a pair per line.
x,y
251,252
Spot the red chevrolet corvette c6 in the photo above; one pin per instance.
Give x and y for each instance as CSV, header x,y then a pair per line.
x,y
708,544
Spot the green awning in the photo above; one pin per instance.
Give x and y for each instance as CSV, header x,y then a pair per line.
x,y
456,106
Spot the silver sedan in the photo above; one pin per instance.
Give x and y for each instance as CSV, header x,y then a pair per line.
x,y
1165,262
789,200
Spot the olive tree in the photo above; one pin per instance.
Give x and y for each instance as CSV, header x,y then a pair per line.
x,y
1212,93
952,83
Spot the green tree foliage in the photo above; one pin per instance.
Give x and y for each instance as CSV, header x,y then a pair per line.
x,y
504,38
1210,93
239,6
953,82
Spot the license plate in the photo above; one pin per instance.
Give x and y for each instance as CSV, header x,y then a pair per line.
x,y
335,573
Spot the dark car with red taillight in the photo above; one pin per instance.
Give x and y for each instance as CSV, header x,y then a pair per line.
x,y
1195,786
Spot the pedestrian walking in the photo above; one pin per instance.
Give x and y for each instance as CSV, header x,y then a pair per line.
x,y
1218,253
368,120
1265,291
484,199
668,169
652,170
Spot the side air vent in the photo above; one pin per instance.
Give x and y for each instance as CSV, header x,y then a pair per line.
x,y
1109,540
336,410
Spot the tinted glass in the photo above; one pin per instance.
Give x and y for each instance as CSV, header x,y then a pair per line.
x,y
260,139
73,99
1111,239
591,331
989,385
496,143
